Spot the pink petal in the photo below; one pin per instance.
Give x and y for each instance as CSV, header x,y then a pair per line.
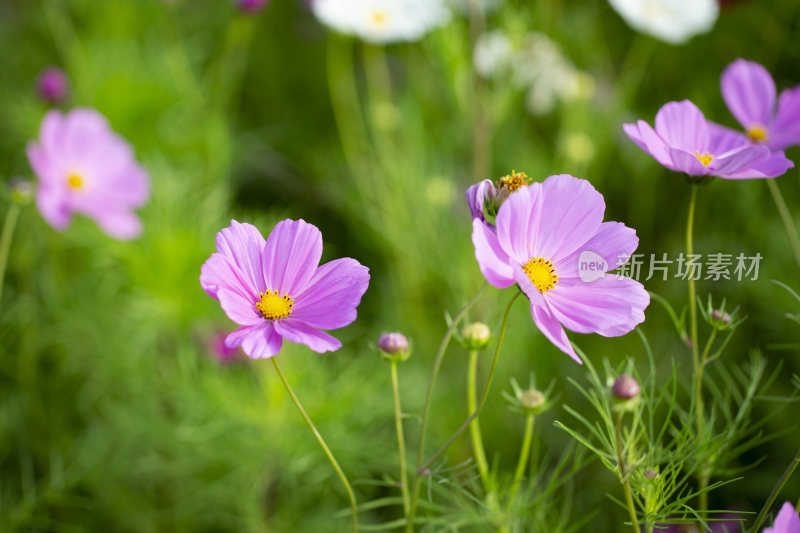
x,y
476,196
517,225
688,163
238,308
53,207
656,146
785,130
219,272
775,165
258,342
614,242
122,225
302,333
332,295
683,126
632,131
738,160
492,259
243,245
572,211
749,91
787,521
609,305
724,139
291,256
551,328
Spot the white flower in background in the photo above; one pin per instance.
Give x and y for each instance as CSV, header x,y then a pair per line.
x,y
493,54
540,67
382,21
672,21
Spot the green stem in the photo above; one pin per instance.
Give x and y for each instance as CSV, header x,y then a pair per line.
x,y
522,463
623,474
401,441
474,427
696,363
786,217
422,467
321,441
428,395
5,241
481,120
774,494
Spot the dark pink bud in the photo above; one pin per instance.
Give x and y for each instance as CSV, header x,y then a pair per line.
x,y
625,387
52,85
251,6
393,343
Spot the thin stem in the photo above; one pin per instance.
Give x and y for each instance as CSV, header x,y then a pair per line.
x,y
474,427
426,409
321,441
775,491
623,474
401,441
522,463
5,241
485,394
481,120
696,363
786,217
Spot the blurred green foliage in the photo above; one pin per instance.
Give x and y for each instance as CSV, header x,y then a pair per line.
x,y
114,416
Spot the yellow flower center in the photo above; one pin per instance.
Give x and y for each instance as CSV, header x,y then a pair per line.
x,y
542,273
705,158
757,134
379,18
75,181
272,306
514,181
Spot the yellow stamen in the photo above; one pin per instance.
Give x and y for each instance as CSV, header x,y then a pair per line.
x,y
75,181
705,158
379,18
514,181
542,273
272,306
757,134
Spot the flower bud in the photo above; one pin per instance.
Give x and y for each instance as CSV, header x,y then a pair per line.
x,y
394,346
476,336
21,191
52,85
625,388
720,317
251,6
650,474
532,400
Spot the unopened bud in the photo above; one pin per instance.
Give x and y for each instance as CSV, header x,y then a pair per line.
x,y
720,317
476,336
52,85
650,474
21,191
625,388
532,400
394,346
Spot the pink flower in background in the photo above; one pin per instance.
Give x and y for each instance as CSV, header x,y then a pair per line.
x,y
787,521
547,235
684,141
221,353
275,289
750,93
251,6
84,167
52,85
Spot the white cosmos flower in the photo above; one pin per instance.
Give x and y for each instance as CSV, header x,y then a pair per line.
x,y
382,21
493,54
672,21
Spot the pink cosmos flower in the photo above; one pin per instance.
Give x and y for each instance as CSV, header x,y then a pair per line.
x,y
84,167
787,521
275,289
750,93
551,241
684,141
